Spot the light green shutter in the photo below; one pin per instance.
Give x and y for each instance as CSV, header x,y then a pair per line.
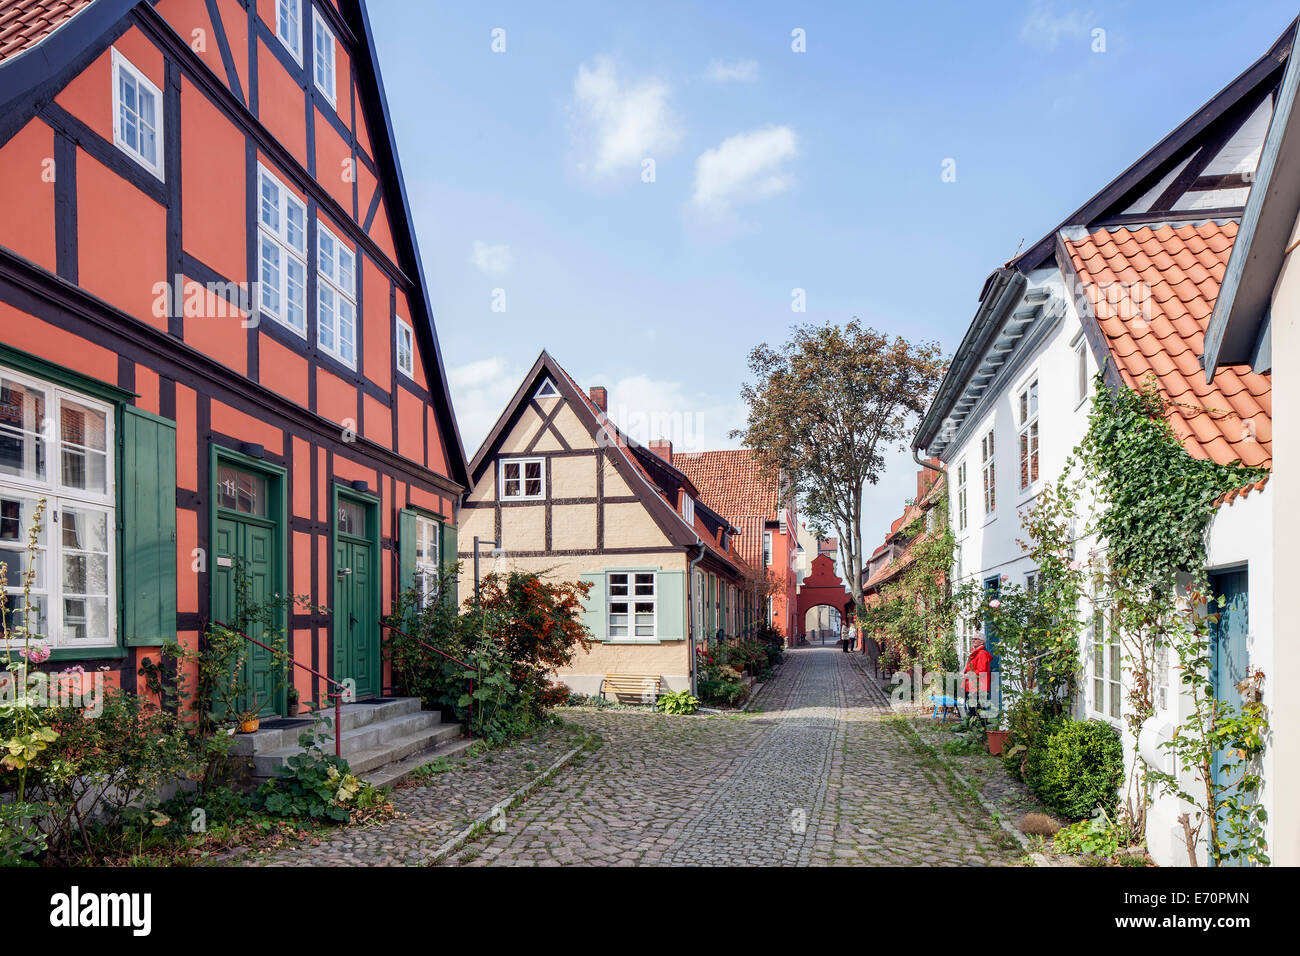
x,y
147,527
448,558
406,535
593,614
670,606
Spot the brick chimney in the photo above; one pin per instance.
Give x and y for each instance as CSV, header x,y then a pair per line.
x,y
600,396
663,448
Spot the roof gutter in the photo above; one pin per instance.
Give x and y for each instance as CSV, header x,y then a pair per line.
x,y
1001,293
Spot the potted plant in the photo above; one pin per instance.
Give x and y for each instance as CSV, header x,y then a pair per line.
x,y
249,722
293,701
997,737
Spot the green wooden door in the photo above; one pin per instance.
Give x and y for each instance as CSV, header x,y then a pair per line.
x,y
1228,661
245,549
356,599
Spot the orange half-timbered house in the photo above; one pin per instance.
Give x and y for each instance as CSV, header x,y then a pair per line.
x,y
217,353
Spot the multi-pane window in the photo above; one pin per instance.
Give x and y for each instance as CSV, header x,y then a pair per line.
x,y
1081,370
323,57
242,491
137,115
1027,415
961,496
57,446
522,479
426,559
631,600
282,253
688,511
767,549
990,475
288,26
405,348
336,297
1106,670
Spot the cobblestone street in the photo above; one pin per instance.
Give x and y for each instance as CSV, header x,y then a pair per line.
x,y
819,774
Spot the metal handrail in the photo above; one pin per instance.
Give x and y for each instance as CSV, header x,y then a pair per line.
x,y
338,696
469,716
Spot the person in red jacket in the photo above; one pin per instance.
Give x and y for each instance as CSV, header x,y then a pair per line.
x,y
975,685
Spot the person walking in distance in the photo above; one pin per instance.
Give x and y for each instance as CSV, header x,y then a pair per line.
x,y
850,638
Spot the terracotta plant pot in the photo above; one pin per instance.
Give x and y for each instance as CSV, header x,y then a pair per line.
x,y
997,741
249,726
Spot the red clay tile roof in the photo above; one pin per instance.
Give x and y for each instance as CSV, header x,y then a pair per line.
x,y
1230,496
1229,420
729,482
25,23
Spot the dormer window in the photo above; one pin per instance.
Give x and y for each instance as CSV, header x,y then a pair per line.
x,y
688,509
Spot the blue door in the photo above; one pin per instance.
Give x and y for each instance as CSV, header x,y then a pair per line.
x,y
1228,651
993,588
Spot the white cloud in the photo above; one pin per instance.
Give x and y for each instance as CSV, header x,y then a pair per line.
x,y
1045,27
735,71
492,258
744,167
648,408
625,121
479,392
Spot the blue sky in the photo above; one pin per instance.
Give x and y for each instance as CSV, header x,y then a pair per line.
x,y
774,170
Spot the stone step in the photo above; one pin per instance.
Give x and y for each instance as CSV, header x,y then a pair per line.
x,y
371,745
276,733
397,771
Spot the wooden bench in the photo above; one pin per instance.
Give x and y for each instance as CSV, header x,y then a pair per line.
x,y
643,687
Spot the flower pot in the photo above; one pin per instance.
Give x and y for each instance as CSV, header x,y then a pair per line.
x,y
250,726
997,740
293,708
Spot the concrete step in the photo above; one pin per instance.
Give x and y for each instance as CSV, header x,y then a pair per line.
x,y
276,733
370,745
397,771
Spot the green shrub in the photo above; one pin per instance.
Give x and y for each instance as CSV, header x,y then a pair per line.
x,y
677,702
1076,767
1096,836
722,693
316,786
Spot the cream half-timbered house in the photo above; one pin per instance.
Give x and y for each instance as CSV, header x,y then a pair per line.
x,y
558,490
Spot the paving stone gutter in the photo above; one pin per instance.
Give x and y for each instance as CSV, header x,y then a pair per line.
x,y
950,766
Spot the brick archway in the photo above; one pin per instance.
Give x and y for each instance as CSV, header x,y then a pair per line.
x,y
822,586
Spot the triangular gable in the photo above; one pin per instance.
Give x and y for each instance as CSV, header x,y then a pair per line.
x,y
1192,169
602,431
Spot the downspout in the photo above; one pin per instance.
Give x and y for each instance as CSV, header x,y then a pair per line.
x,y
925,464
690,604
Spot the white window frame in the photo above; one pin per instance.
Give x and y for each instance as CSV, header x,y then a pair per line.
x,y
767,549
1082,383
1107,670
121,65
688,510
280,237
633,583
503,482
1027,435
59,499
428,541
333,282
961,495
288,14
988,467
327,85
404,342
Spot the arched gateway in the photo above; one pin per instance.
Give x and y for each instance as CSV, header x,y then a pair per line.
x,y
822,586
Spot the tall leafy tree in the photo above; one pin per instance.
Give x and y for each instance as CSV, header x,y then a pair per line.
x,y
823,411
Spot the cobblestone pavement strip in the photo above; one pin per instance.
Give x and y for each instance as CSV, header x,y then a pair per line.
x,y
432,808
820,773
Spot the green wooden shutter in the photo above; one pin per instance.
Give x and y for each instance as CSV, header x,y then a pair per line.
x,y
448,557
593,614
147,527
670,607
406,549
